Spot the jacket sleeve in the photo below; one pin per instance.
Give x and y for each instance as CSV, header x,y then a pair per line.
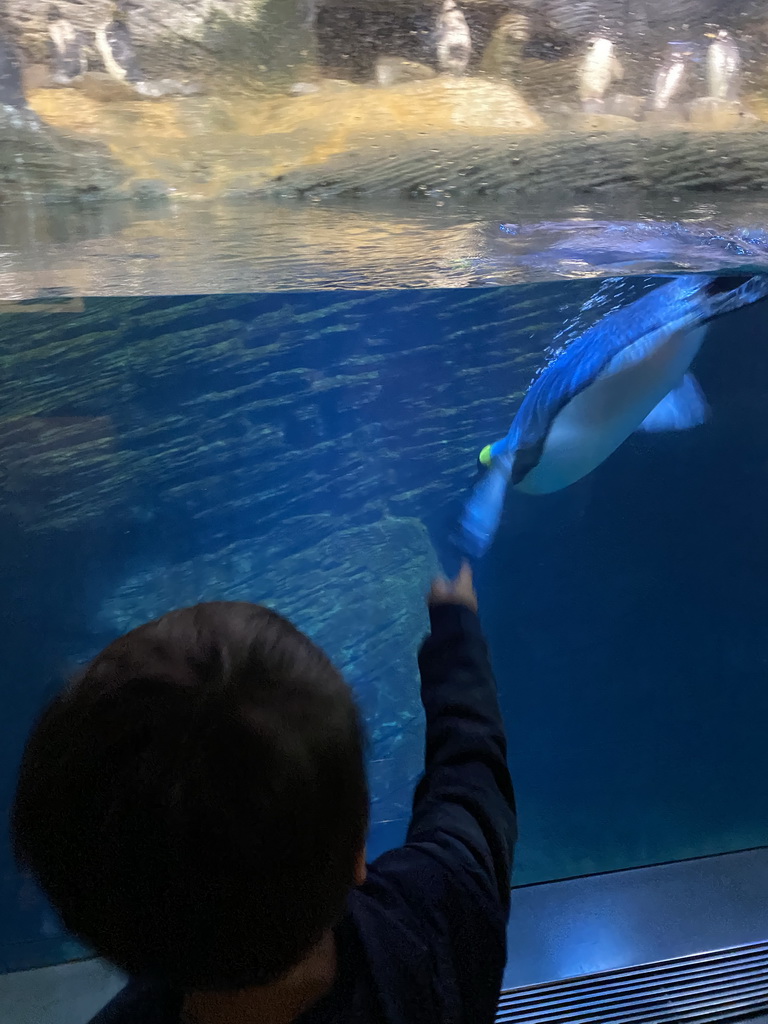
x,y
465,799
445,894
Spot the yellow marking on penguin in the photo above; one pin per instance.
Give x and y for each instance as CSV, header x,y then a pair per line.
x,y
485,456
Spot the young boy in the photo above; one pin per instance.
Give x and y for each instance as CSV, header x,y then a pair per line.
x,y
195,807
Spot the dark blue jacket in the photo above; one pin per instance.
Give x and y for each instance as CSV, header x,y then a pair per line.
x,y
424,939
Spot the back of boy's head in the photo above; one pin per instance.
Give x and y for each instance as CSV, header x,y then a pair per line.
x,y
195,804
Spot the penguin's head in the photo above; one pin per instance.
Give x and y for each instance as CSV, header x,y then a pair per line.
x,y
123,8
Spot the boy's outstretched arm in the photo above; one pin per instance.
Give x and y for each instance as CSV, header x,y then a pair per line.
x,y
449,885
465,799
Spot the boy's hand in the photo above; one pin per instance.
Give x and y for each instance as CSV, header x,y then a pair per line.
x,y
458,591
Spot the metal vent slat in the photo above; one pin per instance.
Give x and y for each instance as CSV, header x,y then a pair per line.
x,y
700,961
664,1007
590,987
724,985
698,978
629,993
629,1009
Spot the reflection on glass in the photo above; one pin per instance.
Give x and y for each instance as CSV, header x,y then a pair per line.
x,y
265,432
203,99
313,451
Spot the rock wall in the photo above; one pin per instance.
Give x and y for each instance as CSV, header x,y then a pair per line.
x,y
194,34
552,162
356,592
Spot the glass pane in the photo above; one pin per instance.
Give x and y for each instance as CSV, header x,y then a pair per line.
x,y
312,451
274,271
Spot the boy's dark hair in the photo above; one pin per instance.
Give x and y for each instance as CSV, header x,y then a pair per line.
x,y
195,802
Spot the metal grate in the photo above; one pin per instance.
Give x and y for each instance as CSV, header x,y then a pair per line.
x,y
728,985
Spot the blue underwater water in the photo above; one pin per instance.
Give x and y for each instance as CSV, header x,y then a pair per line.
x,y
312,451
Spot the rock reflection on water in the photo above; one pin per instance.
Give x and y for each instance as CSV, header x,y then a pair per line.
x,y
55,251
207,145
414,137
541,107
186,109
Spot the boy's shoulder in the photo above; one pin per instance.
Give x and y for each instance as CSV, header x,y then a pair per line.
x,y
416,941
430,933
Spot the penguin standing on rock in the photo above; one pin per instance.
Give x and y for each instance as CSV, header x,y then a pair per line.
x,y
68,48
723,67
11,90
115,45
670,79
14,109
599,68
453,41
118,54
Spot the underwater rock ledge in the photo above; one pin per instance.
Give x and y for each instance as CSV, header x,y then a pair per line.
x,y
46,165
379,570
562,162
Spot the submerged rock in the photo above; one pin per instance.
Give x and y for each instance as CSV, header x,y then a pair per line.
x,y
21,120
380,570
37,162
45,457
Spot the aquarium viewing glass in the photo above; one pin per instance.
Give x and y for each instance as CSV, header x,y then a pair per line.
x,y
273,272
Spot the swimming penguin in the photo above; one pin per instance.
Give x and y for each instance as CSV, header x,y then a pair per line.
x,y
453,41
599,68
723,66
68,48
670,79
115,45
628,372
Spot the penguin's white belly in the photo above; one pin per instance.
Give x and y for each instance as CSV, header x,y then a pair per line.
x,y
597,420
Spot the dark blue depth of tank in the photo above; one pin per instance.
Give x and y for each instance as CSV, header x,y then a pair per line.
x,y
626,615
